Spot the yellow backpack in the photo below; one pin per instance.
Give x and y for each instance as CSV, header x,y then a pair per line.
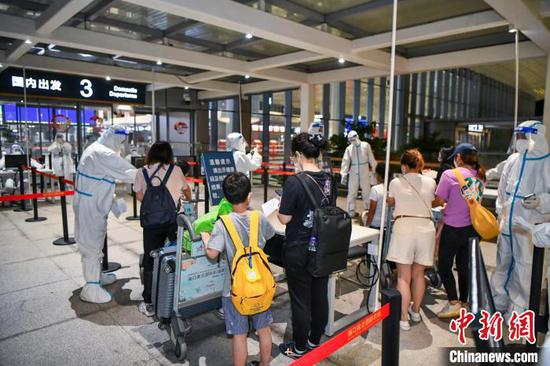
x,y
483,221
252,283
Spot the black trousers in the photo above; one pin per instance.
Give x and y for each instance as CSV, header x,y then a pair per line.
x,y
153,239
454,244
308,297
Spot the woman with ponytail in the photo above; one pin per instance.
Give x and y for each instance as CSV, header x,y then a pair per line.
x,y
458,226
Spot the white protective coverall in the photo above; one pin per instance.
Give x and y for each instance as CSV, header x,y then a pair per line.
x,y
526,172
16,149
244,162
99,167
358,162
63,164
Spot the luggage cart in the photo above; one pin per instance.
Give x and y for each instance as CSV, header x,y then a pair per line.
x,y
198,286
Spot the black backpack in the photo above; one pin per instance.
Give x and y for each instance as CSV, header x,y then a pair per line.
x,y
158,209
331,228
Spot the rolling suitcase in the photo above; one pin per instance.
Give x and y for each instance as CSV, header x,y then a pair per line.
x,y
164,277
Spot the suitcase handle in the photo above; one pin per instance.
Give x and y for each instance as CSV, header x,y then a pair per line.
x,y
185,222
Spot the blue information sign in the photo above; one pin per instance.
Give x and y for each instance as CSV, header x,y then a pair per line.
x,y
216,165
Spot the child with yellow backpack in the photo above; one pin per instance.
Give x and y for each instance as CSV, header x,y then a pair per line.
x,y
249,285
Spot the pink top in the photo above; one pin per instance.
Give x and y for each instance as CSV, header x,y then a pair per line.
x,y
176,183
457,213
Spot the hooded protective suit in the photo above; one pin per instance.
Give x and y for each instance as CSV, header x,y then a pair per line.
x,y
99,167
16,149
358,162
243,162
526,172
63,164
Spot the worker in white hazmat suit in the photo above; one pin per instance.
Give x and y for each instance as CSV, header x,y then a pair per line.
x,y
63,164
524,183
99,167
358,163
244,162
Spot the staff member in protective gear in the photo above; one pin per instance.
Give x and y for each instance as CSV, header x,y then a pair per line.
x,y
63,165
358,162
99,167
525,179
243,162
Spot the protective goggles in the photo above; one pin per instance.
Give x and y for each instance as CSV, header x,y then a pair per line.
x,y
525,130
121,132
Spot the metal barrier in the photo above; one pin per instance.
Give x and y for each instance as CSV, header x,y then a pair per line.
x,y
65,240
35,217
107,266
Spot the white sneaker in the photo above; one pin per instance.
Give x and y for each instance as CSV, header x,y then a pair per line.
x,y
415,317
450,311
404,325
94,293
107,278
146,309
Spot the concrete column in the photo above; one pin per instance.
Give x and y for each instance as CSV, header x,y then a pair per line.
x,y
266,109
439,94
546,112
452,110
288,124
446,94
334,124
412,102
431,93
307,103
356,100
326,109
382,108
370,99
422,104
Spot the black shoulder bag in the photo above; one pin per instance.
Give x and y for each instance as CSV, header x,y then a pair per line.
x,y
331,233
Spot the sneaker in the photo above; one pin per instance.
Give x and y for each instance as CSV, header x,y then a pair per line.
x,y
146,309
289,350
450,311
311,346
404,325
415,317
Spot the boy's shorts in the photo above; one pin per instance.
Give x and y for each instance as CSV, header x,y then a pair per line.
x,y
236,323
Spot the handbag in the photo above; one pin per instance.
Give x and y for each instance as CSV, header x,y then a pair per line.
x,y
330,234
483,220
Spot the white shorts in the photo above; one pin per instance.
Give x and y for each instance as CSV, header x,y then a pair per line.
x,y
412,241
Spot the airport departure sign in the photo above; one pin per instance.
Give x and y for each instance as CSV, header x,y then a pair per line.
x,y
50,84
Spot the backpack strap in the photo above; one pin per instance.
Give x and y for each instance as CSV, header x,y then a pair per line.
x,y
232,231
254,229
146,176
305,185
167,175
462,183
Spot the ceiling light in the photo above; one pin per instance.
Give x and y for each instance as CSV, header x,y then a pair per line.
x,y
247,76
87,55
248,36
159,62
341,60
52,48
512,29
108,78
119,59
28,41
186,88
1,66
41,50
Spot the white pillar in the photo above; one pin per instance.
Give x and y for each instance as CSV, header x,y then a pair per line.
x,y
335,112
546,113
307,107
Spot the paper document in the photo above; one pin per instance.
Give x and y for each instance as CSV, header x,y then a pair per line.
x,y
271,206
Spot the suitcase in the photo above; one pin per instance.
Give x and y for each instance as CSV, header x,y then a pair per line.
x,y
164,277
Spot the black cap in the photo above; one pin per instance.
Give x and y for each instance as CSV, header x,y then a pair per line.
x,y
464,148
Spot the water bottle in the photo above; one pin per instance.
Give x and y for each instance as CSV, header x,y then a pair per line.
x,y
312,246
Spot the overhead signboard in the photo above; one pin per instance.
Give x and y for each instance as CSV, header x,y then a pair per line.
x,y
55,85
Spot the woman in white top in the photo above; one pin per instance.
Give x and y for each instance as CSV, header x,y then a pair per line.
x,y
413,234
158,160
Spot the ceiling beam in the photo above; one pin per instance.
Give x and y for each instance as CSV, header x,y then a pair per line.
x,y
523,18
356,10
285,60
26,5
438,29
208,75
98,70
99,9
251,88
20,28
52,17
241,18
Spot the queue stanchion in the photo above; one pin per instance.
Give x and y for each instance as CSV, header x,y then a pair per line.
x,y
42,181
35,217
65,240
537,271
107,266
23,203
265,178
390,327
135,216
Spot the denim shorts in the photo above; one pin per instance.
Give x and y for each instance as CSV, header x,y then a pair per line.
x,y
236,324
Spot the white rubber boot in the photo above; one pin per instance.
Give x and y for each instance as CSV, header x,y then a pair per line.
x,y
108,278
94,293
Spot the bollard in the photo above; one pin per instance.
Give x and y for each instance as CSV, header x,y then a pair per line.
x,y
390,327
537,270
265,178
42,188
107,266
65,240
134,204
35,217
23,203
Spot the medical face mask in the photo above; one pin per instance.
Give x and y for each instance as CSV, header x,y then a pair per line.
x,y
522,145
